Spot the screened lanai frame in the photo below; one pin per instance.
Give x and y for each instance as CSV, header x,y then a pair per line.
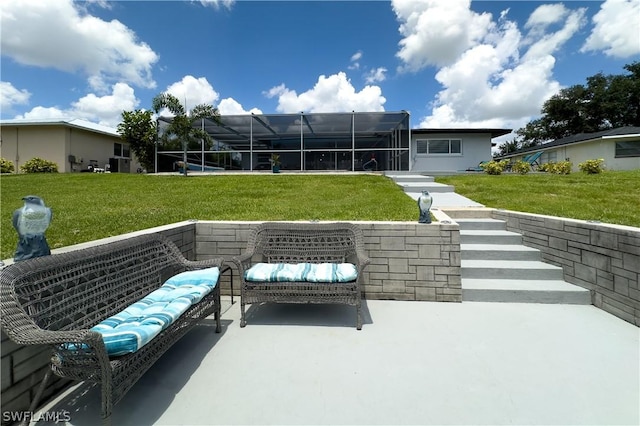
x,y
304,141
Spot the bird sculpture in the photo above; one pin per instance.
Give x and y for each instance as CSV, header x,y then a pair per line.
x,y
31,221
424,204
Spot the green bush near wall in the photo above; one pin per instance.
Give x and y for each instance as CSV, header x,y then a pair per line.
x,y
6,166
39,165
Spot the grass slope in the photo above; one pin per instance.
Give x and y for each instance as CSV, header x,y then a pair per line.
x,y
90,206
612,197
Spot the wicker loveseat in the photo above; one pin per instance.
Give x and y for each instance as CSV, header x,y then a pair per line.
x,y
56,300
298,247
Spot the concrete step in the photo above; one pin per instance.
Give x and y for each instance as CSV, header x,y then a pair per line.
x,y
524,291
411,178
447,200
481,224
489,237
425,186
509,270
499,252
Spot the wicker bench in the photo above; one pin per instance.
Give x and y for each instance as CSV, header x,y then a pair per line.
x,y
55,300
293,243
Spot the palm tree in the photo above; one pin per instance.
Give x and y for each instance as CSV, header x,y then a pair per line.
x,y
182,127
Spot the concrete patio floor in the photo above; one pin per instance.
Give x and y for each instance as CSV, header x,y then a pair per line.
x,y
412,363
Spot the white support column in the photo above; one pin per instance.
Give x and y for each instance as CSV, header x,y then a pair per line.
x,y
202,145
353,141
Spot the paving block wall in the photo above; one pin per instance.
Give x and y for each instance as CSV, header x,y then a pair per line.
x,y
409,261
603,258
23,367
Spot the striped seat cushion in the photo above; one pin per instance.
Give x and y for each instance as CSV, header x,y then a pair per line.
x,y
309,272
135,326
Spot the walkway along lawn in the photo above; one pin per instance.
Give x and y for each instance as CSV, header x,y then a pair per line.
x,y
89,206
611,197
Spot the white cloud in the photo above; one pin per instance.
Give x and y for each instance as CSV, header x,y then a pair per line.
x,y
546,15
376,75
330,94
486,80
230,106
355,58
193,91
105,110
216,3
10,96
60,34
437,32
616,29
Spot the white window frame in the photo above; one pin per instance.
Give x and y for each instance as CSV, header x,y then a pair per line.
x,y
428,145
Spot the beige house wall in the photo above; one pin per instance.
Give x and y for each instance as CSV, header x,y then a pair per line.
x,y
21,144
56,143
581,152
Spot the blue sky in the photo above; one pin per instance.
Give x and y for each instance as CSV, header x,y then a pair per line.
x,y
450,63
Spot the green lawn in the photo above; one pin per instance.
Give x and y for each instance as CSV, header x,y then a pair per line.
x,y
88,206
612,197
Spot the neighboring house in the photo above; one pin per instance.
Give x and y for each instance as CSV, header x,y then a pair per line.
x,y
451,150
620,149
70,143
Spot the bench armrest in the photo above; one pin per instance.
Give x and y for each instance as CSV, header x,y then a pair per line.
x,y
243,262
363,260
192,265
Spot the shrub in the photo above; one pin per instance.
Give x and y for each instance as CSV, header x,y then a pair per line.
x,y
38,165
495,167
592,167
6,166
521,167
549,167
563,167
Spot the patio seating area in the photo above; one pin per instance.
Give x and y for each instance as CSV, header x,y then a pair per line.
x,y
412,363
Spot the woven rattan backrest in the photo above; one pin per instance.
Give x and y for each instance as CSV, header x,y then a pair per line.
x,y
292,242
80,288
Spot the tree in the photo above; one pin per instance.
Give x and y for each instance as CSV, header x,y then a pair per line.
x,y
138,129
605,102
181,127
507,147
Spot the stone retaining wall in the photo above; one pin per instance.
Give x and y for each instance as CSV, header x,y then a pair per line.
x,y
600,257
409,261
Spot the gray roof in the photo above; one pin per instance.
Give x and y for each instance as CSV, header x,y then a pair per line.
x,y
494,132
69,122
580,137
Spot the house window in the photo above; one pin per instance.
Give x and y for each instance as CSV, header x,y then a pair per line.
x,y
121,150
627,149
439,146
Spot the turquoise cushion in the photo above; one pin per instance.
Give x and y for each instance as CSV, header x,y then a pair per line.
x,y
310,272
332,273
208,276
135,326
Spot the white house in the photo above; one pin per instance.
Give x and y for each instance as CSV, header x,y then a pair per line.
x,y
619,148
441,151
70,143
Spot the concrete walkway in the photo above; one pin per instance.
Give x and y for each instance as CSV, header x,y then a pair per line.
x,y
421,363
443,195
